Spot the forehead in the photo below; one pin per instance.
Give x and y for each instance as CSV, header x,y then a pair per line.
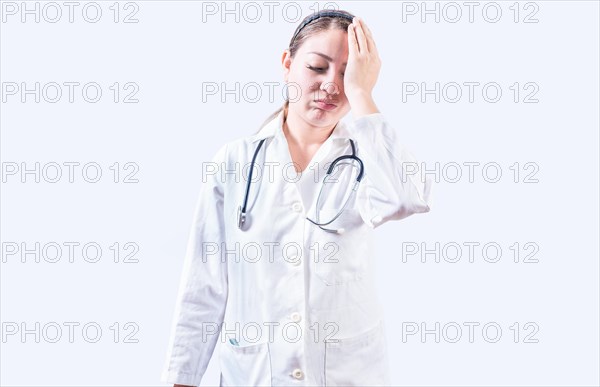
x,y
333,43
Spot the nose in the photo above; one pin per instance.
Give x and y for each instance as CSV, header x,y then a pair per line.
x,y
330,85
330,88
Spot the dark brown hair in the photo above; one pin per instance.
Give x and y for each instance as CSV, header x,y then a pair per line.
x,y
316,26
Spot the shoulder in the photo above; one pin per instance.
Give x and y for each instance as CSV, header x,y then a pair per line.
x,y
241,148
235,149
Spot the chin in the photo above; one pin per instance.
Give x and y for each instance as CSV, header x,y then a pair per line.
x,y
323,118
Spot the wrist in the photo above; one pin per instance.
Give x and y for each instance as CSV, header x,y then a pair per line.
x,y
362,104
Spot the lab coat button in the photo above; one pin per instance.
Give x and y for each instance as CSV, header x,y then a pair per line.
x,y
297,207
376,219
296,317
297,373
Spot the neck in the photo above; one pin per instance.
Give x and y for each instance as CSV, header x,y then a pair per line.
x,y
314,135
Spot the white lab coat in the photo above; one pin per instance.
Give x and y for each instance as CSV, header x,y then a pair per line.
x,y
282,287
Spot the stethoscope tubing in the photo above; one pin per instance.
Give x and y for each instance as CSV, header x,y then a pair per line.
x,y
242,209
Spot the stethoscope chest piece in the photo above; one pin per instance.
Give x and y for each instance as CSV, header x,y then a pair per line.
x,y
241,217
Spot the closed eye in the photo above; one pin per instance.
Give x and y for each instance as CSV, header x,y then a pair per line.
x,y
319,69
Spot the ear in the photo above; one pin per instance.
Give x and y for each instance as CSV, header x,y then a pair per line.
x,y
286,62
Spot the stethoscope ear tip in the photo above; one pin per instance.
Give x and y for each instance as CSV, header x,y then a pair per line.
x,y
341,230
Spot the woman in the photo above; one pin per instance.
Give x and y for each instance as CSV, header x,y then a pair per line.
x,y
282,270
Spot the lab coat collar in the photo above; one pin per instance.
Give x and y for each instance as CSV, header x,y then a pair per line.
x,y
275,127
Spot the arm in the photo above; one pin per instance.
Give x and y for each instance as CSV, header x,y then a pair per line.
x,y
393,186
203,290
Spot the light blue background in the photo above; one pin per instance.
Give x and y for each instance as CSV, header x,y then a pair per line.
x,y
171,132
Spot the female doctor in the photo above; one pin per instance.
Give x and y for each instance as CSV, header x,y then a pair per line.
x,y
281,270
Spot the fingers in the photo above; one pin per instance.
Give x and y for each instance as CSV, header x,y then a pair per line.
x,y
371,40
352,43
360,35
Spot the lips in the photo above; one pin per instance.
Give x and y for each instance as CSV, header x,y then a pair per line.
x,y
325,105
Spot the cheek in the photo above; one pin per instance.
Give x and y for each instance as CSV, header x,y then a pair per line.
x,y
303,83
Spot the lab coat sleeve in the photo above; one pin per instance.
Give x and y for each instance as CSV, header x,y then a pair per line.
x,y
203,288
394,185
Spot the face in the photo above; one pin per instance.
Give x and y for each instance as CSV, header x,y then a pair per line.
x,y
317,73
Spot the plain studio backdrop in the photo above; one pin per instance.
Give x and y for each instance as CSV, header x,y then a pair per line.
x,y
498,284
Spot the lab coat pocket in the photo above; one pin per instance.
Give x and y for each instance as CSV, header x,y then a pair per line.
x,y
357,361
246,365
341,257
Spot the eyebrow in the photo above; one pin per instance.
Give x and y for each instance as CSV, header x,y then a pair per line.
x,y
324,56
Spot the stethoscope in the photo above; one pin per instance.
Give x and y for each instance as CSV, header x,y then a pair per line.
x,y
242,210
